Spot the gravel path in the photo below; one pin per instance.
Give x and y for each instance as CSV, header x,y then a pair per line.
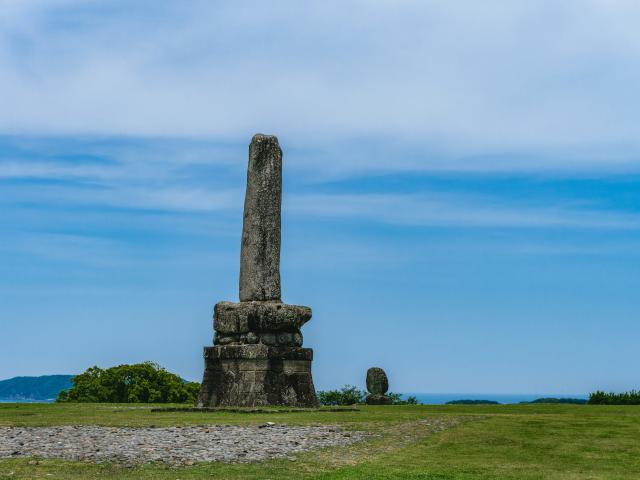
x,y
173,445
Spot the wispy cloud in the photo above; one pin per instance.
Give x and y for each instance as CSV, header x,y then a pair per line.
x,y
46,170
134,173
201,177
456,211
135,178
168,198
467,79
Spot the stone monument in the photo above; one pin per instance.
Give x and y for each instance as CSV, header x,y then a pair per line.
x,y
377,385
257,358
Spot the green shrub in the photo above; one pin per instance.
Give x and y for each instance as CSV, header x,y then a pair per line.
x,y
626,398
396,399
347,395
140,383
350,395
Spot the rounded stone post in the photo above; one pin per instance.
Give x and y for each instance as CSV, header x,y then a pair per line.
x,y
377,384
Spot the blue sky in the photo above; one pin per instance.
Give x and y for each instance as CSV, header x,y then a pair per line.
x,y
462,185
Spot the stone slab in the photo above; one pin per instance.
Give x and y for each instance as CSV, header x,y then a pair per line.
x,y
257,352
244,317
282,339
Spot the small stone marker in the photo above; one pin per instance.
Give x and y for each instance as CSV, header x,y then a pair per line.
x,y
257,358
377,385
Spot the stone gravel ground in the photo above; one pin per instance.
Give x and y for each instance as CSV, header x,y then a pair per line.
x,y
172,445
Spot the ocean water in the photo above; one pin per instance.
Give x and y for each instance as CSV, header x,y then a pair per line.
x,y
442,398
431,398
13,400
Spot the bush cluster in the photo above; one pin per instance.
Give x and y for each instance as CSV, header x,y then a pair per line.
x,y
626,398
347,395
396,399
140,383
350,395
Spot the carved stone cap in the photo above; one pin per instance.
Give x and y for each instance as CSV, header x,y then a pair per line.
x,y
244,317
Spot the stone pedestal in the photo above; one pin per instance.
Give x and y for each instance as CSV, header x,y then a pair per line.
x,y
257,375
376,399
257,358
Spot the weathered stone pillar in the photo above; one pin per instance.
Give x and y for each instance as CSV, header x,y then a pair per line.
x,y
260,249
257,358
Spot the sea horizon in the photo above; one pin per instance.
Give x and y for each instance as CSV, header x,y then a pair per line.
x,y
425,398
503,398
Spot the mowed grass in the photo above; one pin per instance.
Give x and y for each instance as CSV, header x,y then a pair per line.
x,y
490,442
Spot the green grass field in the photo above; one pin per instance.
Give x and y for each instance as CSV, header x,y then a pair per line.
x,y
491,442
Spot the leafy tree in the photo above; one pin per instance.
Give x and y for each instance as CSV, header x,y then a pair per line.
x,y
140,383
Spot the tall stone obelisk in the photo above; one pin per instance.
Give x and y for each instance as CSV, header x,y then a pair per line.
x,y
257,358
260,249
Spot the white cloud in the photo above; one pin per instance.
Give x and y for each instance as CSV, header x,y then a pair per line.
x,y
167,198
17,169
141,178
455,211
467,78
117,186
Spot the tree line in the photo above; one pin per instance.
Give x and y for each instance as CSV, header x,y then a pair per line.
x,y
625,398
149,383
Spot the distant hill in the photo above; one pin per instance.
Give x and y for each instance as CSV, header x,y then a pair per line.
x,y
472,402
34,388
572,401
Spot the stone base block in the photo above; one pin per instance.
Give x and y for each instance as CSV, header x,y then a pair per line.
x,y
257,375
376,399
